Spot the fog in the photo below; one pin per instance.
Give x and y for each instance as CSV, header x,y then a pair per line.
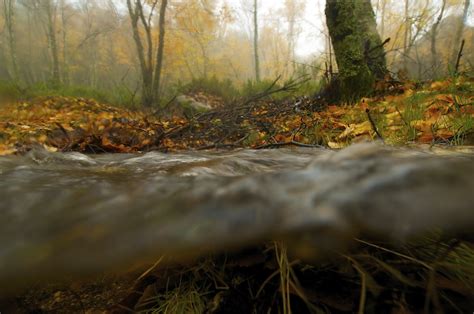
x,y
90,43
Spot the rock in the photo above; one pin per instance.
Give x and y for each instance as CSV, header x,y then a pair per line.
x,y
190,103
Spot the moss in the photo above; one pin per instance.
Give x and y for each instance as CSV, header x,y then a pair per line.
x,y
352,28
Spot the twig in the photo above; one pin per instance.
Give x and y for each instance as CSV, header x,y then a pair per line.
x,y
65,134
159,110
374,127
363,284
290,85
401,116
395,253
458,60
149,270
274,145
386,41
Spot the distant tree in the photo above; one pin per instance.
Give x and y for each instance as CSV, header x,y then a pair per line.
x,y
293,9
458,35
358,48
150,71
407,34
383,7
64,34
255,40
49,8
434,33
159,54
9,16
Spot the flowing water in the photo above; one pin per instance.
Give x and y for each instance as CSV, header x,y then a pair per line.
x,y
69,213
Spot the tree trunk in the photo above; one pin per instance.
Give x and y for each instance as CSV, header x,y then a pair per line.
x,y
406,37
65,65
255,41
458,36
147,90
358,48
434,33
51,34
159,54
9,15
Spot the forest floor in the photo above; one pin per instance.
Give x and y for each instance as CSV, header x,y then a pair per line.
x,y
263,278
439,112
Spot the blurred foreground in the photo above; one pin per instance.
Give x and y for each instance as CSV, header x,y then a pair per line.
x,y
390,225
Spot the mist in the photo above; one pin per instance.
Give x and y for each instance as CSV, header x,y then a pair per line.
x,y
89,44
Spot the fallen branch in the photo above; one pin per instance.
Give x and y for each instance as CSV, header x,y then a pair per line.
x,y
295,143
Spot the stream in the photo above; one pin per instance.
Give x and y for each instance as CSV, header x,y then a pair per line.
x,y
75,214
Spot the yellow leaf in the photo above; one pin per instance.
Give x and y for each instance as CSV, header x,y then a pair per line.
x,y
336,145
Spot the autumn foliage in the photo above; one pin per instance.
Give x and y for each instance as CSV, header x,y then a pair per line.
x,y
440,112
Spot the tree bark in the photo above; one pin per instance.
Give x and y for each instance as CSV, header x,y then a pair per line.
x,y
9,15
159,54
150,68
255,41
358,48
147,92
53,45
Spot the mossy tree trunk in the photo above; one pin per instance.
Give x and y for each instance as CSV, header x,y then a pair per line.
x,y
358,48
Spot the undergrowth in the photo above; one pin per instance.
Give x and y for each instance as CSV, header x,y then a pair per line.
x,y
431,274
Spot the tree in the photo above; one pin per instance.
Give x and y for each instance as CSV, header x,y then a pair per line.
x,y
159,54
199,25
458,35
434,33
9,15
64,24
255,41
49,9
358,48
382,18
406,37
293,9
150,74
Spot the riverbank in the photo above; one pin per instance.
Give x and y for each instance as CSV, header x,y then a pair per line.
x,y
437,113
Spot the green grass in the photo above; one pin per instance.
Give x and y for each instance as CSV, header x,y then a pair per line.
x,y
10,91
461,125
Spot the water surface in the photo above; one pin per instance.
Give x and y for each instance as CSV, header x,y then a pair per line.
x,y
69,213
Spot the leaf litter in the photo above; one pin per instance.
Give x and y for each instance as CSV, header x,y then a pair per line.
x,y
431,115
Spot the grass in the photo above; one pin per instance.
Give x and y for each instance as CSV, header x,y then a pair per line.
x,y
461,125
123,96
429,274
187,298
120,96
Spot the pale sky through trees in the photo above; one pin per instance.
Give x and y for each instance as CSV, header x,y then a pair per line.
x,y
311,39
95,44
